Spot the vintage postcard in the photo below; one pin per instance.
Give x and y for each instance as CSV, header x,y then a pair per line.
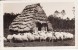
x,y
39,24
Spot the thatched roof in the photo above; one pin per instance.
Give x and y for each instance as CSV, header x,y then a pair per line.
x,y
26,21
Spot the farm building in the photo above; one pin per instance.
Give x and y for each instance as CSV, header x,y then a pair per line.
x,y
32,18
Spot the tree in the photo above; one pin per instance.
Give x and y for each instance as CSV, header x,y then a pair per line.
x,y
8,18
63,12
56,13
73,11
58,23
67,18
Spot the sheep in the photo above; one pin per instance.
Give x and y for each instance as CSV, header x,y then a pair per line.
x,y
42,36
64,35
17,38
53,37
50,36
5,39
9,38
59,36
36,36
69,36
30,37
24,37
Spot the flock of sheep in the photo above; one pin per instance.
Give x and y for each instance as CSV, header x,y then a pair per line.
x,y
39,36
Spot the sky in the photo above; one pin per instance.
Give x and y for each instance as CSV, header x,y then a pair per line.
x,y
48,7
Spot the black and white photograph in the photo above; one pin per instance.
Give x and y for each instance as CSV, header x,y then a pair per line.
x,y
39,24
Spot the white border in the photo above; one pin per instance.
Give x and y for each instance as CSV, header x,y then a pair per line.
x,y
39,48
76,22
1,24
41,1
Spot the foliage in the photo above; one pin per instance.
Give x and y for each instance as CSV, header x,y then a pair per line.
x,y
56,22
59,23
8,18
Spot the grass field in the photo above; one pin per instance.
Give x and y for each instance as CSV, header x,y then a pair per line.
x,y
43,43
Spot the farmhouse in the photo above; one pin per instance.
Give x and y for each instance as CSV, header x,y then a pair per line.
x,y
32,18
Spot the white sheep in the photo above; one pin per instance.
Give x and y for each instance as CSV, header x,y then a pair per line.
x,y
50,36
36,36
9,38
59,35
5,39
64,35
69,36
42,36
53,37
72,36
17,38
24,37
30,37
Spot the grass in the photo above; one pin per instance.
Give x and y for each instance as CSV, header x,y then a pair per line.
x,y
44,43
37,44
